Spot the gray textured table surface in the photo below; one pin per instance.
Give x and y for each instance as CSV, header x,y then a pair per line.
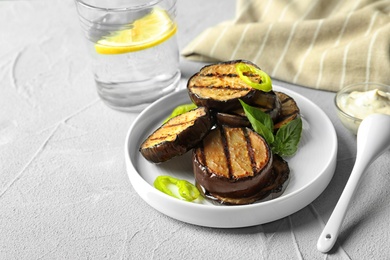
x,y
64,192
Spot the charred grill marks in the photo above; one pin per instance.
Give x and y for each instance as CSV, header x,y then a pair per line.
x,y
177,135
162,138
292,111
172,133
242,167
229,75
226,151
202,157
284,116
285,100
181,123
265,108
221,88
250,75
250,150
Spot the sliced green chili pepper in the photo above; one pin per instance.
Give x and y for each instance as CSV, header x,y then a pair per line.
x,y
181,109
265,83
187,191
162,182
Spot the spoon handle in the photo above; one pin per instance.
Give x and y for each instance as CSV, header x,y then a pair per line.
x,y
330,233
373,139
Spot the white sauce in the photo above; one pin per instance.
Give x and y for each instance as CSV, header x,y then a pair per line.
x,y
362,104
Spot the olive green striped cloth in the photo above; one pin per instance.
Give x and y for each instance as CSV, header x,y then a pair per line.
x,y
323,44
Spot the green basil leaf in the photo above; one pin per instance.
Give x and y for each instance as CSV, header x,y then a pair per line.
x,y
260,121
287,138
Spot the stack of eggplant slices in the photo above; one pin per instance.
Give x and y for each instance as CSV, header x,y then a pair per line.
x,y
239,131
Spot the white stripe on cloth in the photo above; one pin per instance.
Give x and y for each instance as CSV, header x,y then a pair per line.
x,y
308,50
243,8
321,68
323,56
266,9
283,13
373,19
344,65
368,65
240,41
217,41
346,50
343,29
313,4
285,49
264,42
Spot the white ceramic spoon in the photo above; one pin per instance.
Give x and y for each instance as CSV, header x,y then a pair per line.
x,y
373,138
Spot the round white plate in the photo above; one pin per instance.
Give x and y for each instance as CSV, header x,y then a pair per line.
x,y
312,168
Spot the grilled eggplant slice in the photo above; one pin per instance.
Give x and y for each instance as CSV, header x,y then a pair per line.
x,y
268,102
232,120
288,112
177,136
218,87
232,163
275,187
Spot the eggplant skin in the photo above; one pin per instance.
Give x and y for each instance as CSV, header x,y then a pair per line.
x,y
289,110
268,102
232,162
232,120
281,174
274,188
177,136
217,86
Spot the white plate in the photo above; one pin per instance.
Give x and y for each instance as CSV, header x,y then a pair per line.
x,y
311,168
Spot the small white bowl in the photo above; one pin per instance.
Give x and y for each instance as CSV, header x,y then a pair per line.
x,y
350,121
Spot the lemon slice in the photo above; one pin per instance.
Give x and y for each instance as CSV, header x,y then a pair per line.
x,y
148,31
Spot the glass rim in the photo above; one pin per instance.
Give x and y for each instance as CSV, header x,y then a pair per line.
x,y
118,9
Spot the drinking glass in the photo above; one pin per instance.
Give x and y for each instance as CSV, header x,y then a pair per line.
x,y
133,49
